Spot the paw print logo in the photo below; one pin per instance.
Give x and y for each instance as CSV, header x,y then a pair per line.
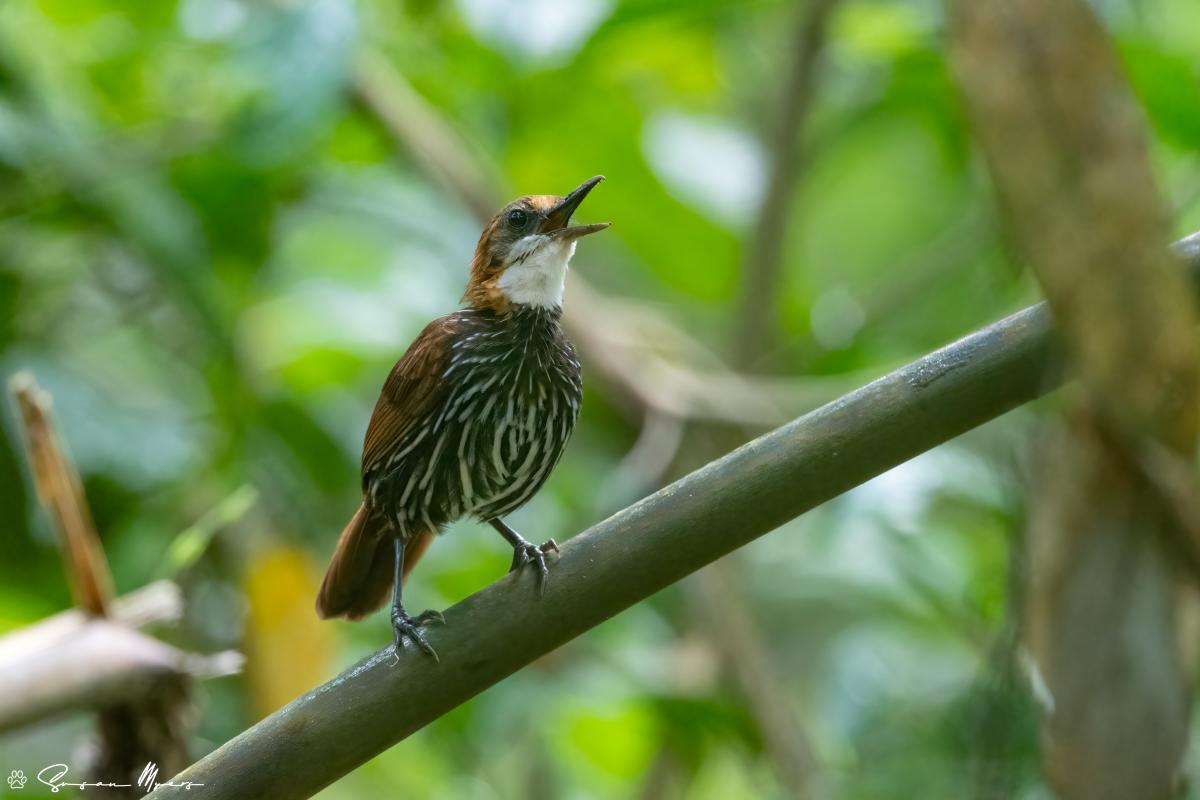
x,y
16,780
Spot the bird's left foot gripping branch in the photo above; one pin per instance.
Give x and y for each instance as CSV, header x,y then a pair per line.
x,y
472,418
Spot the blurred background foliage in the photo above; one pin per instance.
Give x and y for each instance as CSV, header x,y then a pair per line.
x,y
212,250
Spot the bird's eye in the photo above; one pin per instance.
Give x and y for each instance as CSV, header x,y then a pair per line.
x,y
517,218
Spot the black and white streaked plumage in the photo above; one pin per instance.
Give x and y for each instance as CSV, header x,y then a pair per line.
x,y
474,416
511,390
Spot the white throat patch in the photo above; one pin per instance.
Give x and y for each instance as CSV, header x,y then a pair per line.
x,y
536,271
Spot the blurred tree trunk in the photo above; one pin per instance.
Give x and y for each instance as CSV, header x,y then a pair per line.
x,y
1103,622
1065,147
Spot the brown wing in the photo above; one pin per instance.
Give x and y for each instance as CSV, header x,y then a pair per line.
x,y
414,387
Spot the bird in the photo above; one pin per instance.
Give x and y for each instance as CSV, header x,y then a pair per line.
x,y
472,418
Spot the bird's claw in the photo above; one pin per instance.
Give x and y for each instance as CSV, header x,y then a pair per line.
x,y
528,552
429,617
408,628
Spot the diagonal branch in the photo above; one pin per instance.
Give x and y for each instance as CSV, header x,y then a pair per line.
x,y
331,730
625,559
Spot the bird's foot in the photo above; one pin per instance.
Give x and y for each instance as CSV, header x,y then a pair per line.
x,y
409,628
530,553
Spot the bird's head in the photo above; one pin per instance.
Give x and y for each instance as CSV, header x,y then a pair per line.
x,y
522,256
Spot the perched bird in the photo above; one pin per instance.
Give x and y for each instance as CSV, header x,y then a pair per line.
x,y
473,417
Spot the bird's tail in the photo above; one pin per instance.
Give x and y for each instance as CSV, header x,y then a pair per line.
x,y
360,572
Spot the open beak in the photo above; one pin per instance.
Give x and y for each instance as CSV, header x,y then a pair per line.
x,y
558,219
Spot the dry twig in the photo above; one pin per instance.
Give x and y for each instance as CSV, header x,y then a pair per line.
x,y
138,686
58,488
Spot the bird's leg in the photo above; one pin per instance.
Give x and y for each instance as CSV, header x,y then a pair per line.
x,y
404,626
525,552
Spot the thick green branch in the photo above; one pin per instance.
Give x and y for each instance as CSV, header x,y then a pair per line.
x,y
630,556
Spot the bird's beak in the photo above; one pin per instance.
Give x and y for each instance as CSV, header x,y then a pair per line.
x,y
559,217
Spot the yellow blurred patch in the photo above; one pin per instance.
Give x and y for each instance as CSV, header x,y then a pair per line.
x,y
287,646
